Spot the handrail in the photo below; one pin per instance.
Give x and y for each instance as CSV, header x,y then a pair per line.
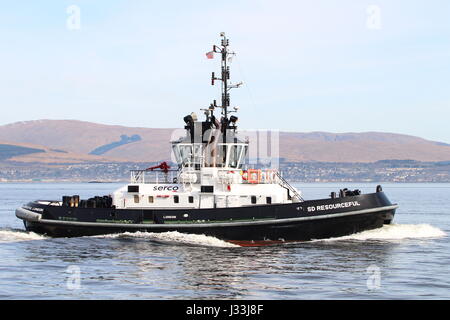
x,y
139,176
286,185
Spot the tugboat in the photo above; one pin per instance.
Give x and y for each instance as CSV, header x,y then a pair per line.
x,y
212,191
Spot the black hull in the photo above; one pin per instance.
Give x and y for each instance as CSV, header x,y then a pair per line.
x,y
316,219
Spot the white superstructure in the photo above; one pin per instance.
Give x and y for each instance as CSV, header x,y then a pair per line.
x,y
211,161
195,185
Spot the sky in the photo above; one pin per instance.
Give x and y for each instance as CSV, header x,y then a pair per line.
x,y
324,65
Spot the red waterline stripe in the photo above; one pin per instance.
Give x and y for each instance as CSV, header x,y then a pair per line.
x,y
257,243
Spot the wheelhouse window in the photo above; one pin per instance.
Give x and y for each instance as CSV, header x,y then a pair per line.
x,y
183,153
211,154
235,155
197,156
234,152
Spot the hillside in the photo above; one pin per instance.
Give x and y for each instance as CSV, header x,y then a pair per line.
x,y
27,153
8,151
360,147
85,142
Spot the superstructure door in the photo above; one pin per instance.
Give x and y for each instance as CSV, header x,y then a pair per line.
x,y
206,201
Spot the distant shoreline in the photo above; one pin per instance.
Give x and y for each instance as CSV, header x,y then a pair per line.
x,y
62,181
291,181
386,170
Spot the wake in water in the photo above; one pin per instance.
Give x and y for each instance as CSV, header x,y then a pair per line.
x,y
386,233
174,237
395,232
16,235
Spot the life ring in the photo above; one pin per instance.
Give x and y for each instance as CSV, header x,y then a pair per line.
x,y
269,175
244,175
254,175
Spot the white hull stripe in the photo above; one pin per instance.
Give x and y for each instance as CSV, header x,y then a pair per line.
x,y
32,216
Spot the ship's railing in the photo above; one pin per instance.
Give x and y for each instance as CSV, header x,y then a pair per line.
x,y
49,202
269,176
147,176
282,182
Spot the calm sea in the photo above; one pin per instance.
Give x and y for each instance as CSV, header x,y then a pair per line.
x,y
407,260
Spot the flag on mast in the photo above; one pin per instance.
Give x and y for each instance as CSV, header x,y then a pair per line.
x,y
210,55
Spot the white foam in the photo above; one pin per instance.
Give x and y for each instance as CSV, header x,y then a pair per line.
x,y
396,232
12,235
174,237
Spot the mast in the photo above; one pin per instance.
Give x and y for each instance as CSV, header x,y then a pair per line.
x,y
225,77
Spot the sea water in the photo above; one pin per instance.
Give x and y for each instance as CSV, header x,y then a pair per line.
x,y
407,260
